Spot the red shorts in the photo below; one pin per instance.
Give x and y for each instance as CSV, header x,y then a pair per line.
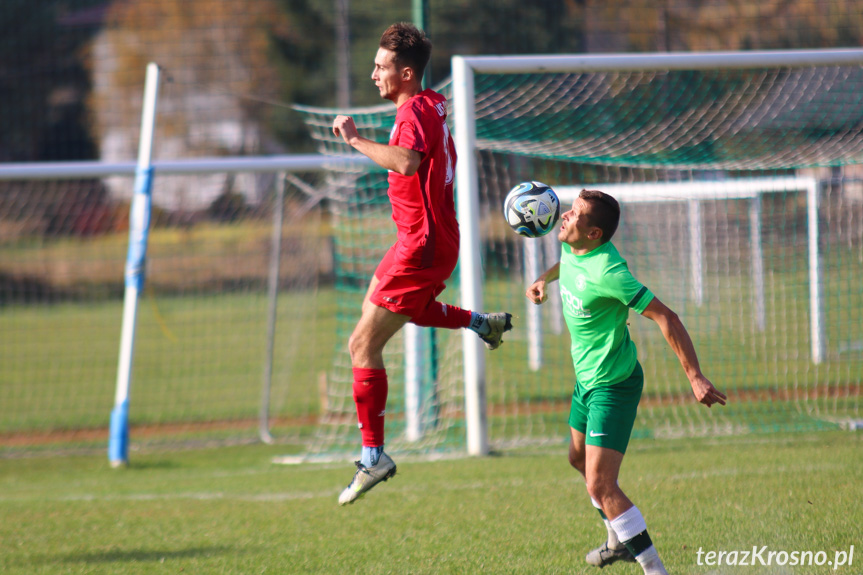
x,y
406,289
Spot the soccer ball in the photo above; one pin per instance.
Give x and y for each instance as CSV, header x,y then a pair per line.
x,y
532,209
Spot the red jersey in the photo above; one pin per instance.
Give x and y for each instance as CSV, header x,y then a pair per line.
x,y
423,204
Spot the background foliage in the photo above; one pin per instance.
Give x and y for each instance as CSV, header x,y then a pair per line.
x,y
284,51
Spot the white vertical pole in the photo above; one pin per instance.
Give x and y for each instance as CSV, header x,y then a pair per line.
x,y
272,307
532,268
467,187
757,255
554,304
696,256
816,304
415,338
139,226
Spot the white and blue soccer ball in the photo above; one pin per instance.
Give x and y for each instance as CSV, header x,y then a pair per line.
x,y
532,209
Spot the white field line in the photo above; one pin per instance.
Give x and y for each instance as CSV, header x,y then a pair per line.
x,y
514,483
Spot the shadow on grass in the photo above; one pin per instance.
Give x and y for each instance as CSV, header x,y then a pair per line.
x,y
143,555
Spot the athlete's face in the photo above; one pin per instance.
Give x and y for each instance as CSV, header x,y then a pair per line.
x,y
576,229
387,76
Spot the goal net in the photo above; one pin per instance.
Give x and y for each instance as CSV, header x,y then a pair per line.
x,y
202,334
738,176
742,205
425,407
742,194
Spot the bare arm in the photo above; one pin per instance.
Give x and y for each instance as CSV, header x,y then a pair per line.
x,y
395,158
537,292
678,338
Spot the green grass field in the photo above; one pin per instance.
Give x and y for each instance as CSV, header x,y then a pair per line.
x,y
200,358
197,358
230,510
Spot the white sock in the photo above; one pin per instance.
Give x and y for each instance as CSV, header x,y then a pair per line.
x,y
628,525
650,562
613,541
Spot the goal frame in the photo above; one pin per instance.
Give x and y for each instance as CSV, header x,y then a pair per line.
x,y
467,178
281,165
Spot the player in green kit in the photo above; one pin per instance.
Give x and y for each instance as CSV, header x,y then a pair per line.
x,y
598,291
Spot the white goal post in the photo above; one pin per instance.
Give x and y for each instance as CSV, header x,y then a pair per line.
x,y
693,193
464,100
280,164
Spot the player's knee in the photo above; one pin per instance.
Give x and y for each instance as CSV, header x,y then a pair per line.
x,y
363,351
600,489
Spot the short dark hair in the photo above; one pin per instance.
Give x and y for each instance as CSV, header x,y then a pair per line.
x,y
410,45
604,212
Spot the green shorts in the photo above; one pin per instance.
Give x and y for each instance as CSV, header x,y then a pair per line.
x,y
605,414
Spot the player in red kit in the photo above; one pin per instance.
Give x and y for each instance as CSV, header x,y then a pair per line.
x,y
421,160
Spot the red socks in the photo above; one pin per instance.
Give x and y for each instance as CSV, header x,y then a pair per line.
x,y
443,315
371,386
370,395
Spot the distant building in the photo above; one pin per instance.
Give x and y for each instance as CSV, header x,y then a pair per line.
x,y
195,118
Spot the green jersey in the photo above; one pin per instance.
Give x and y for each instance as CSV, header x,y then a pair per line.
x,y
598,291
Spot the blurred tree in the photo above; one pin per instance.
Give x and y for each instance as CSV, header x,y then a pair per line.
x,y
42,81
685,25
465,27
216,62
507,27
226,60
771,24
306,64
242,63
227,71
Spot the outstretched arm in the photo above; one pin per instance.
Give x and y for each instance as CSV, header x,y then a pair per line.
x,y
678,338
537,292
395,158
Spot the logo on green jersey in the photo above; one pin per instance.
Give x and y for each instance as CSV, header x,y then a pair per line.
x,y
580,282
573,306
